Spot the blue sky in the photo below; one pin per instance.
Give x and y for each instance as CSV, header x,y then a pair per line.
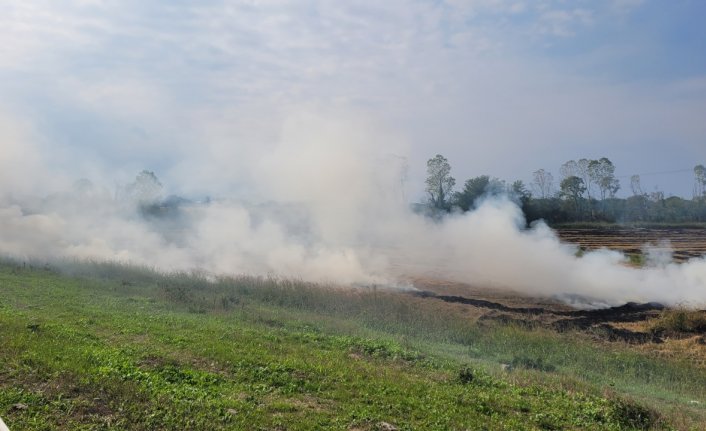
x,y
197,91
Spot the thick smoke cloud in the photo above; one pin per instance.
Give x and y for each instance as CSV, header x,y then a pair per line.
x,y
330,207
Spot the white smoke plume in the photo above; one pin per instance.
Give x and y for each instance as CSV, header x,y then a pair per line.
x,y
325,204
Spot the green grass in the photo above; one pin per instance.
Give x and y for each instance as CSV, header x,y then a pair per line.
x,y
636,259
107,346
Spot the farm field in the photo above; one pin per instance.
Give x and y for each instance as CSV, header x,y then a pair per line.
x,y
108,347
686,243
353,216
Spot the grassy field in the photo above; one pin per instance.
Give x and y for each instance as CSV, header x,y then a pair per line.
x,y
105,346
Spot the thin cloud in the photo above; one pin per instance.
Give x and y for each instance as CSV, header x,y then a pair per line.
x,y
128,81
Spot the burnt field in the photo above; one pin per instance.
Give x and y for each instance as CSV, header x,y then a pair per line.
x,y
648,327
652,326
686,243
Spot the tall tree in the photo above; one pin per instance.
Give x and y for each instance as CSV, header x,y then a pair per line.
x,y
519,190
657,195
602,173
699,181
543,183
584,172
569,169
635,185
572,189
439,182
520,195
146,188
477,187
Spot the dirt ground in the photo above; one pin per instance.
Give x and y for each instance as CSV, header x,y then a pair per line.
x,y
685,242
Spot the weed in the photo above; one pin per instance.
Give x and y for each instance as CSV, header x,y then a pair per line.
x,y
532,364
466,375
680,320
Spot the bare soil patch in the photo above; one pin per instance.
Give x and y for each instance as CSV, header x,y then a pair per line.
x,y
686,243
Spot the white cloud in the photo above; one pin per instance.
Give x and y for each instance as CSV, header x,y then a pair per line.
x,y
211,83
564,23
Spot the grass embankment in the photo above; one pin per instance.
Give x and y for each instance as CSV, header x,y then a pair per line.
x,y
113,347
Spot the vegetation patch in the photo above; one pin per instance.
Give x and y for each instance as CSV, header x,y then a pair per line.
x,y
107,348
532,364
681,320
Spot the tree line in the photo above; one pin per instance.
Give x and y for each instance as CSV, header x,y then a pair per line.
x,y
586,193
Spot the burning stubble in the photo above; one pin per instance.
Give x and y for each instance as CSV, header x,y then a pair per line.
x,y
329,207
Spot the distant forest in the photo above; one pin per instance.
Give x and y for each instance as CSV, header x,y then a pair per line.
x,y
585,193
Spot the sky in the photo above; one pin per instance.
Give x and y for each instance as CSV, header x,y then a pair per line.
x,y
201,92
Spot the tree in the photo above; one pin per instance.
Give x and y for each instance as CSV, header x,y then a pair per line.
x,y
602,173
520,191
569,169
657,195
636,208
583,171
572,188
699,181
146,188
579,169
543,183
637,204
439,182
521,196
477,187
635,185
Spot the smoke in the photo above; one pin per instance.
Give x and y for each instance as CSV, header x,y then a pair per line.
x,y
20,157
325,203
658,255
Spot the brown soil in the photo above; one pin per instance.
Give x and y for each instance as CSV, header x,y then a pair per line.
x,y
687,243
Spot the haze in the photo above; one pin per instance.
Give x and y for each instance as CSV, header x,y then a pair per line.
x,y
308,124
106,88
